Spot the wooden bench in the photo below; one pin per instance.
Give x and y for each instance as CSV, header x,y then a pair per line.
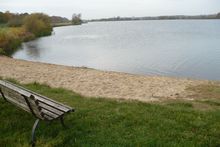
x,y
41,107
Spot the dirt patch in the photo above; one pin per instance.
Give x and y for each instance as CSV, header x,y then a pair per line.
x,y
205,91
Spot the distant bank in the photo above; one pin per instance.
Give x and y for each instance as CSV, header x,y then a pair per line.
x,y
173,17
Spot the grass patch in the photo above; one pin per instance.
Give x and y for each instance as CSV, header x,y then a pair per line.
x,y
104,122
181,105
3,25
214,103
61,24
211,102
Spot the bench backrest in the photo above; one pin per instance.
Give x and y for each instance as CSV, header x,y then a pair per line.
x,y
40,106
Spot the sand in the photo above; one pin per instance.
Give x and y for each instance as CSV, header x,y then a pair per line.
x,y
95,83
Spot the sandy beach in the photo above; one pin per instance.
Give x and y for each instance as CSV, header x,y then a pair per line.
x,y
95,83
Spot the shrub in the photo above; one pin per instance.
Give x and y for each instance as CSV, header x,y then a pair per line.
x,y
11,38
2,52
38,24
15,22
5,17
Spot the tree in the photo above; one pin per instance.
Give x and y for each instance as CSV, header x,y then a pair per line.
x,y
2,17
5,17
15,21
76,19
218,15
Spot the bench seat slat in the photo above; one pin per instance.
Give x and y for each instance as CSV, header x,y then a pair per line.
x,y
46,117
12,94
49,108
20,105
48,113
43,98
57,107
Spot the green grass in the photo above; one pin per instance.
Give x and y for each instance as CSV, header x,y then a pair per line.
x,y
3,25
61,24
104,122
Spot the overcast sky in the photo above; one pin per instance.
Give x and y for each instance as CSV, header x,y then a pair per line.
x,y
109,8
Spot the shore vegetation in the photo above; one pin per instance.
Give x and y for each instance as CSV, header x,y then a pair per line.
x,y
18,28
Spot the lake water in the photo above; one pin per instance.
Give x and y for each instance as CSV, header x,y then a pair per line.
x,y
182,48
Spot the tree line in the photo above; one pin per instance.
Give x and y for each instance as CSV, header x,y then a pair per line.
x,y
174,17
37,23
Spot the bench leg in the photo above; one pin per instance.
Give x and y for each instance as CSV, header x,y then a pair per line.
x,y
2,94
33,140
62,122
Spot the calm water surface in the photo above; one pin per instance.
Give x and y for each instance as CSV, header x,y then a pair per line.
x,y
182,48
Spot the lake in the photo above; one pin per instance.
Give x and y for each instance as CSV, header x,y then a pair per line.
x,y
180,48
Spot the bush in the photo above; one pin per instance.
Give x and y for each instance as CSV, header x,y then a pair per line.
x,y
11,38
15,22
38,24
2,52
5,17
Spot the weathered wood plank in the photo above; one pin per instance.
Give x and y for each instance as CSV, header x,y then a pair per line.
x,y
48,113
55,106
46,117
20,105
12,94
56,111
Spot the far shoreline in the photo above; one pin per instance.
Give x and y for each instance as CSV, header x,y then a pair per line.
x,y
152,20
